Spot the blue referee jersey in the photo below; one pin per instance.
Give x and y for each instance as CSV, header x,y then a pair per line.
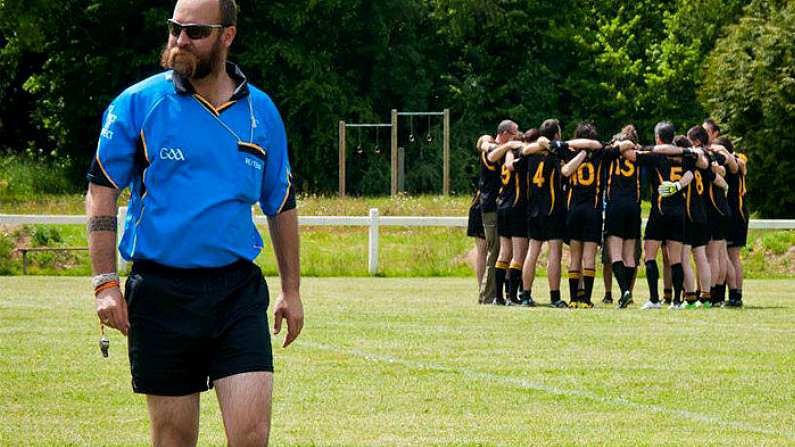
x,y
194,171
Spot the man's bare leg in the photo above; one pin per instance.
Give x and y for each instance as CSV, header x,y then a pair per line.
x,y
245,401
174,421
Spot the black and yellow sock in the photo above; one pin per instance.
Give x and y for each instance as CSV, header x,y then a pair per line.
x,y
691,297
588,279
678,280
500,272
704,297
652,276
668,294
574,283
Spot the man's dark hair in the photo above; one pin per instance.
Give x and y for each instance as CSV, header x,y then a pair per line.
x,y
228,12
531,135
665,131
681,141
711,125
505,126
586,130
549,128
725,142
698,133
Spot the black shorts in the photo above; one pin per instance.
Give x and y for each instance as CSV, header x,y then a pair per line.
x,y
665,227
623,219
584,223
547,228
189,327
475,223
717,226
511,222
738,232
696,234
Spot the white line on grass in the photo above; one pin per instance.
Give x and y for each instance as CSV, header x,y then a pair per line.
x,y
526,384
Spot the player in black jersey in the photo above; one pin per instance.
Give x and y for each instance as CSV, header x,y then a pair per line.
x,y
622,224
511,224
489,186
511,205
666,219
584,217
718,222
738,227
546,210
696,235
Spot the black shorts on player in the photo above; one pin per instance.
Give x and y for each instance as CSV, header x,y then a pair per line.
x,y
475,222
738,232
665,227
511,222
696,234
623,219
584,223
547,228
717,225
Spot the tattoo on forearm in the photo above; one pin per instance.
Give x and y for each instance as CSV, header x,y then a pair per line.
x,y
102,224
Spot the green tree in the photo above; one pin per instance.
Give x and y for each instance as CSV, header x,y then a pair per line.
x,y
751,92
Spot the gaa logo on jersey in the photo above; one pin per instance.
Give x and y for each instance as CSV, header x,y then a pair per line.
x,y
256,164
171,153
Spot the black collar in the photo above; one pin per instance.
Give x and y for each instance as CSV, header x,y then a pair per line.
x,y
183,86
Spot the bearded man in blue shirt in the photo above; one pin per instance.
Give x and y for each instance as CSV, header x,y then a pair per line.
x,y
198,146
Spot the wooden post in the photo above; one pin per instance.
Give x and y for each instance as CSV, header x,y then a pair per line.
x,y
342,158
393,146
446,175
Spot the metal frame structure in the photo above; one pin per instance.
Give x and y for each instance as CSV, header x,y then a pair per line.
x,y
393,124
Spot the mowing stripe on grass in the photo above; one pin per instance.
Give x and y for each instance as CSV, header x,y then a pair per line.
x,y
528,385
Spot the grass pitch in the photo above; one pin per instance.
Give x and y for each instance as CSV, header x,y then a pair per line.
x,y
416,362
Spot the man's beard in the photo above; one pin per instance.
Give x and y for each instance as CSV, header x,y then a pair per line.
x,y
186,64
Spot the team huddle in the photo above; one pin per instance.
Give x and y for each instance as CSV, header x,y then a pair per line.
x,y
535,189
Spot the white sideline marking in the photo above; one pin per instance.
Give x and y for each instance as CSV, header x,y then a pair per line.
x,y
526,384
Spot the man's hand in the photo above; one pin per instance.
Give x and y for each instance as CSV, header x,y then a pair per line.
x,y
667,189
112,310
543,142
288,306
625,145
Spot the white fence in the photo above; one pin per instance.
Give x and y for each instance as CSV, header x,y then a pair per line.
x,y
374,221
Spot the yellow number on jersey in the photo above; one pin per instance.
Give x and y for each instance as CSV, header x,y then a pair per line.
x,y
538,178
699,183
676,173
585,174
506,175
628,172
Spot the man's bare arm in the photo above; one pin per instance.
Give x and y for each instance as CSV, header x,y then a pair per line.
x,y
536,147
286,246
584,143
101,210
573,164
509,159
720,182
742,165
499,152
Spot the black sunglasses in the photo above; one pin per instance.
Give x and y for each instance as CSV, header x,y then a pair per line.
x,y
194,31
